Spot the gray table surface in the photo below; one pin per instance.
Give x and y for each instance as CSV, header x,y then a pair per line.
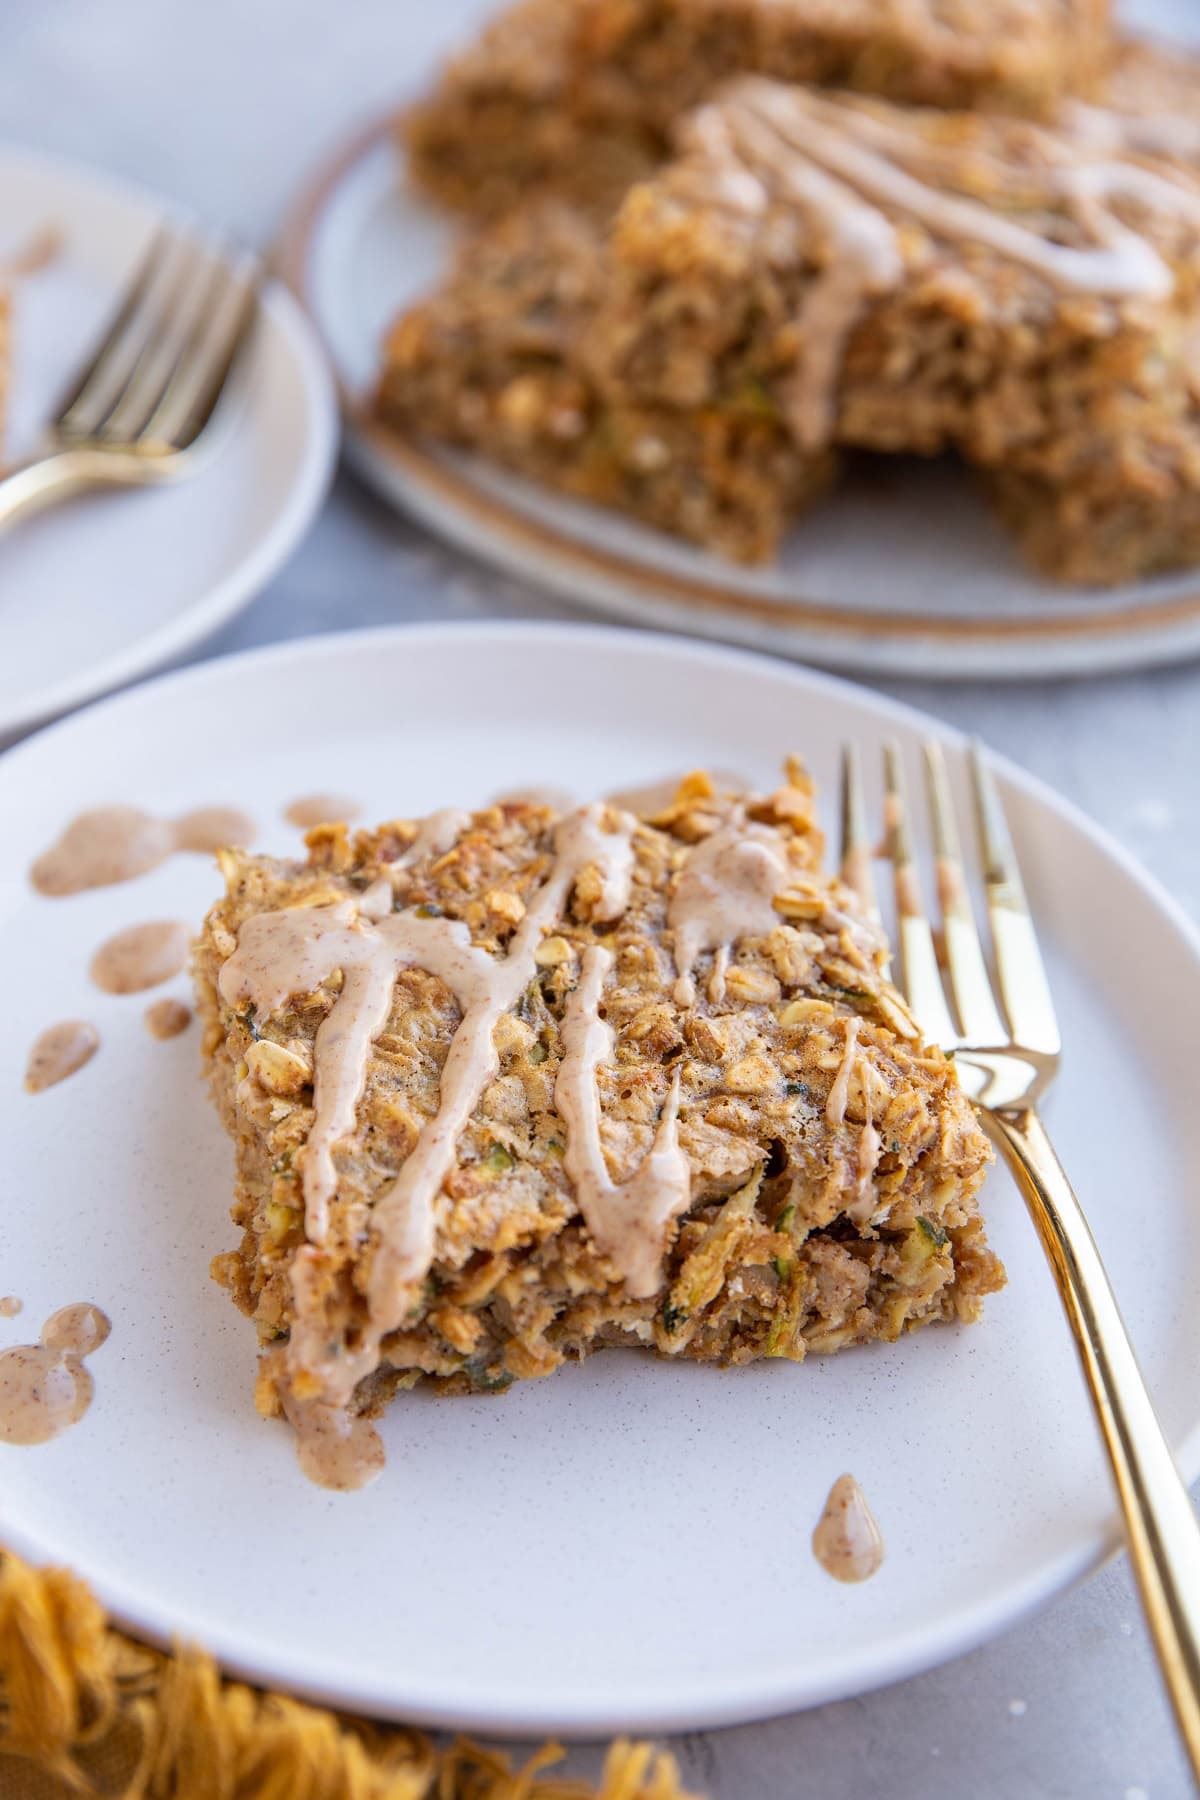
x,y
223,106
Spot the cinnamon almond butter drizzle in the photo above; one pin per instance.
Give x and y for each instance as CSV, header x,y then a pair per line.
x,y
839,1093
435,835
723,893
870,1145
44,1387
628,1220
1139,134
845,169
294,951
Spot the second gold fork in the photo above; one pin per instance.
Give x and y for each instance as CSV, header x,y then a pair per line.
x,y
1007,1049
139,410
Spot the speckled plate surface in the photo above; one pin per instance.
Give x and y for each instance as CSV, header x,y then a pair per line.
x,y
626,1544
902,571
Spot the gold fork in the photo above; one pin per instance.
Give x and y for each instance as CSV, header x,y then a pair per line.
x,y
1007,1049
139,410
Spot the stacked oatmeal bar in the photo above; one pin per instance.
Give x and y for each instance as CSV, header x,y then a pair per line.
x,y
810,270
588,91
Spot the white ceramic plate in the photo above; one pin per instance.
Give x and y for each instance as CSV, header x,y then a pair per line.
x,y
97,592
903,570
625,1545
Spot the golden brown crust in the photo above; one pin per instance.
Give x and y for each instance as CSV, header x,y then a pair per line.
x,y
969,349
1157,81
659,363
787,1245
495,362
582,97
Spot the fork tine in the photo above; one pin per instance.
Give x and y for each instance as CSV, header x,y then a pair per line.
x,y
856,847
97,375
1018,960
973,999
146,380
920,976
192,351
204,370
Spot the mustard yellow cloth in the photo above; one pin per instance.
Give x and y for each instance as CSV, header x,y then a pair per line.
x,y
86,1710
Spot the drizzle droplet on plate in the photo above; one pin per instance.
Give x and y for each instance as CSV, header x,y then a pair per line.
x,y
320,809
44,1387
102,847
335,1449
111,844
141,956
210,828
77,1329
167,1018
847,1542
59,1051
42,1393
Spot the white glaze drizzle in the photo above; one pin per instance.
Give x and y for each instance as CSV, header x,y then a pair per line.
x,y
862,257
627,1220
865,937
839,1093
869,1147
870,1144
1140,134
724,892
435,836
294,951
1121,265
403,1216
840,164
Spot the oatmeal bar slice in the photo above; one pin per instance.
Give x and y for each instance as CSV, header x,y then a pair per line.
x,y
1150,105
816,270
1129,511
903,280
898,278
497,361
583,95
509,1087
1129,504
500,122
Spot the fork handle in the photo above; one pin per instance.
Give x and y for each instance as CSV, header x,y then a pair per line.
x,y
1164,1533
29,487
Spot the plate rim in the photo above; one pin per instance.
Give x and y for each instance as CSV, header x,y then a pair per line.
x,y
722,1701
283,315
442,497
